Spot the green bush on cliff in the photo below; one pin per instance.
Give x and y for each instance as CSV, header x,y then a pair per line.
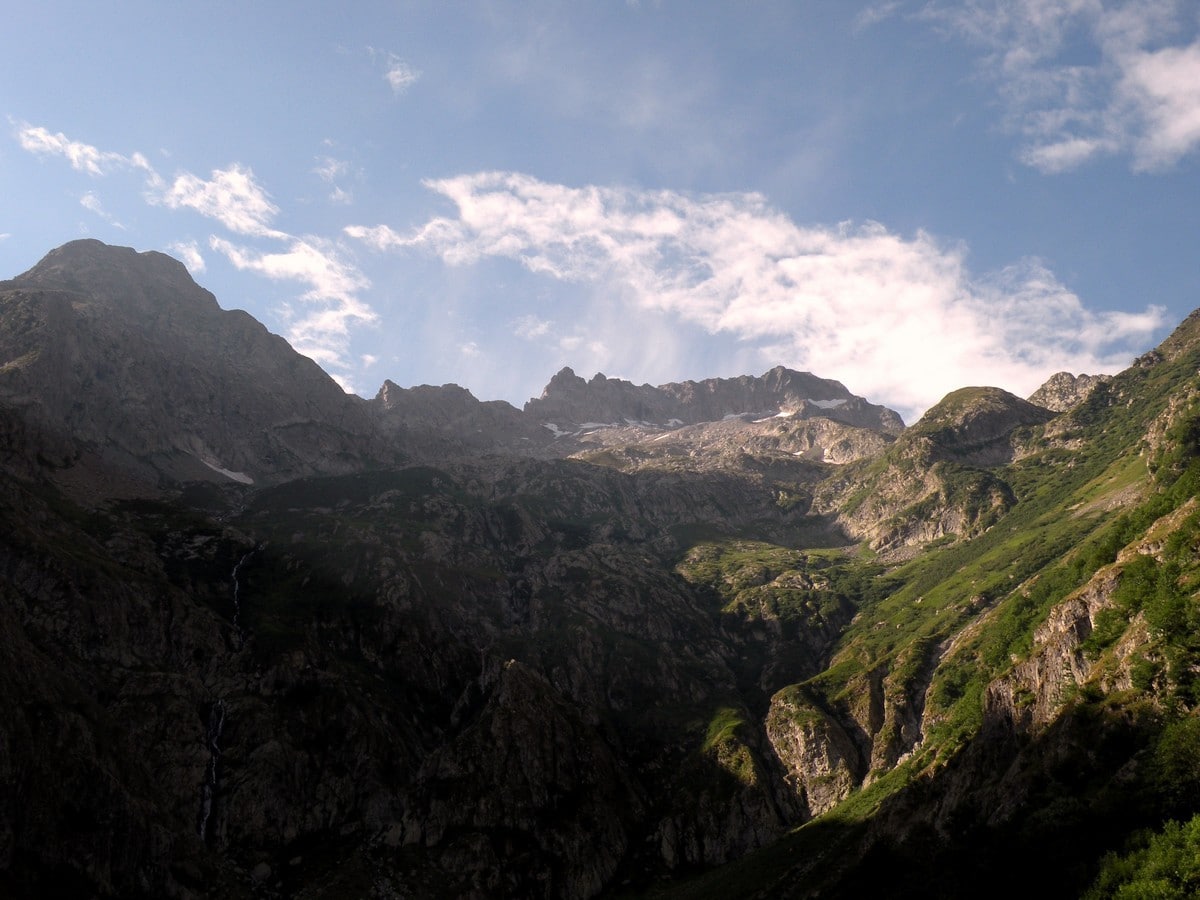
x,y
1163,866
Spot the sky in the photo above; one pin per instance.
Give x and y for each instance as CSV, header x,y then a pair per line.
x,y
908,196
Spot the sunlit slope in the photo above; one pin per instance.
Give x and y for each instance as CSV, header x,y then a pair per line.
x,y
1046,663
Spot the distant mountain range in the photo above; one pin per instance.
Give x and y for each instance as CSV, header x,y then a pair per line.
x,y
741,637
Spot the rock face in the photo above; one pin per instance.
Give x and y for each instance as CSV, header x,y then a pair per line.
x,y
126,354
1064,390
569,400
977,426
937,479
819,756
431,421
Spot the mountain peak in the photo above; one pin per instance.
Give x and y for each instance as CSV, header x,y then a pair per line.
x,y
1063,390
145,284
82,261
124,351
570,399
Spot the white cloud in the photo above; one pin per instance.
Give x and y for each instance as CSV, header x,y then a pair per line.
x,y
876,13
396,72
1165,88
189,252
82,157
232,196
469,349
531,327
330,169
92,203
332,300
899,319
1085,78
1066,154
400,75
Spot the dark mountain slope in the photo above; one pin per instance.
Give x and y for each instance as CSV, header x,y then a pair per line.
x,y
679,654
124,354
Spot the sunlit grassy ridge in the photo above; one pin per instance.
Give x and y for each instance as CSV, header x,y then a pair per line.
x,y
1111,486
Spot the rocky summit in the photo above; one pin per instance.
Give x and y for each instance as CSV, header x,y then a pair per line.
x,y
739,637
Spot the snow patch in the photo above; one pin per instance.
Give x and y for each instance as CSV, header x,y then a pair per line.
x,y
239,477
555,430
782,414
828,404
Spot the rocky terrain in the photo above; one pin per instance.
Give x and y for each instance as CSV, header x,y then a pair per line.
x,y
738,637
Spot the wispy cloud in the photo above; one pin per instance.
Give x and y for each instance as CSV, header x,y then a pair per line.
x,y
189,252
398,73
876,13
231,196
531,327
1083,79
330,170
332,301
331,304
92,203
82,157
899,318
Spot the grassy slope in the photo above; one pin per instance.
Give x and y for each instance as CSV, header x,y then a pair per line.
x,y
1090,487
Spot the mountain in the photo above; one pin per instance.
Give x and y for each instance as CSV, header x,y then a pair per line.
x,y
569,400
138,365
739,637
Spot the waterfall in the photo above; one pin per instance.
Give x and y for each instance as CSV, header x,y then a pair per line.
x,y
237,594
208,790
216,712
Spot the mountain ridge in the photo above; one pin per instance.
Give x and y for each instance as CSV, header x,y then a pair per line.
x,y
435,649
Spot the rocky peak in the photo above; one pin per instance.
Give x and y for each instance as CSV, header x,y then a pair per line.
x,y
1064,390
568,399
975,425
119,280
175,386
434,420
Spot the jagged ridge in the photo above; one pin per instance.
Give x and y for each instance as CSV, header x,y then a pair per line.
x,y
503,674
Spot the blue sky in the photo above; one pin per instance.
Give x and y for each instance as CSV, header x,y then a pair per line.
x,y
909,197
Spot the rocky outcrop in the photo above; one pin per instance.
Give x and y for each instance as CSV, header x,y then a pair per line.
x,y
979,427
1064,390
1033,694
822,762
938,479
542,761
570,400
432,421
